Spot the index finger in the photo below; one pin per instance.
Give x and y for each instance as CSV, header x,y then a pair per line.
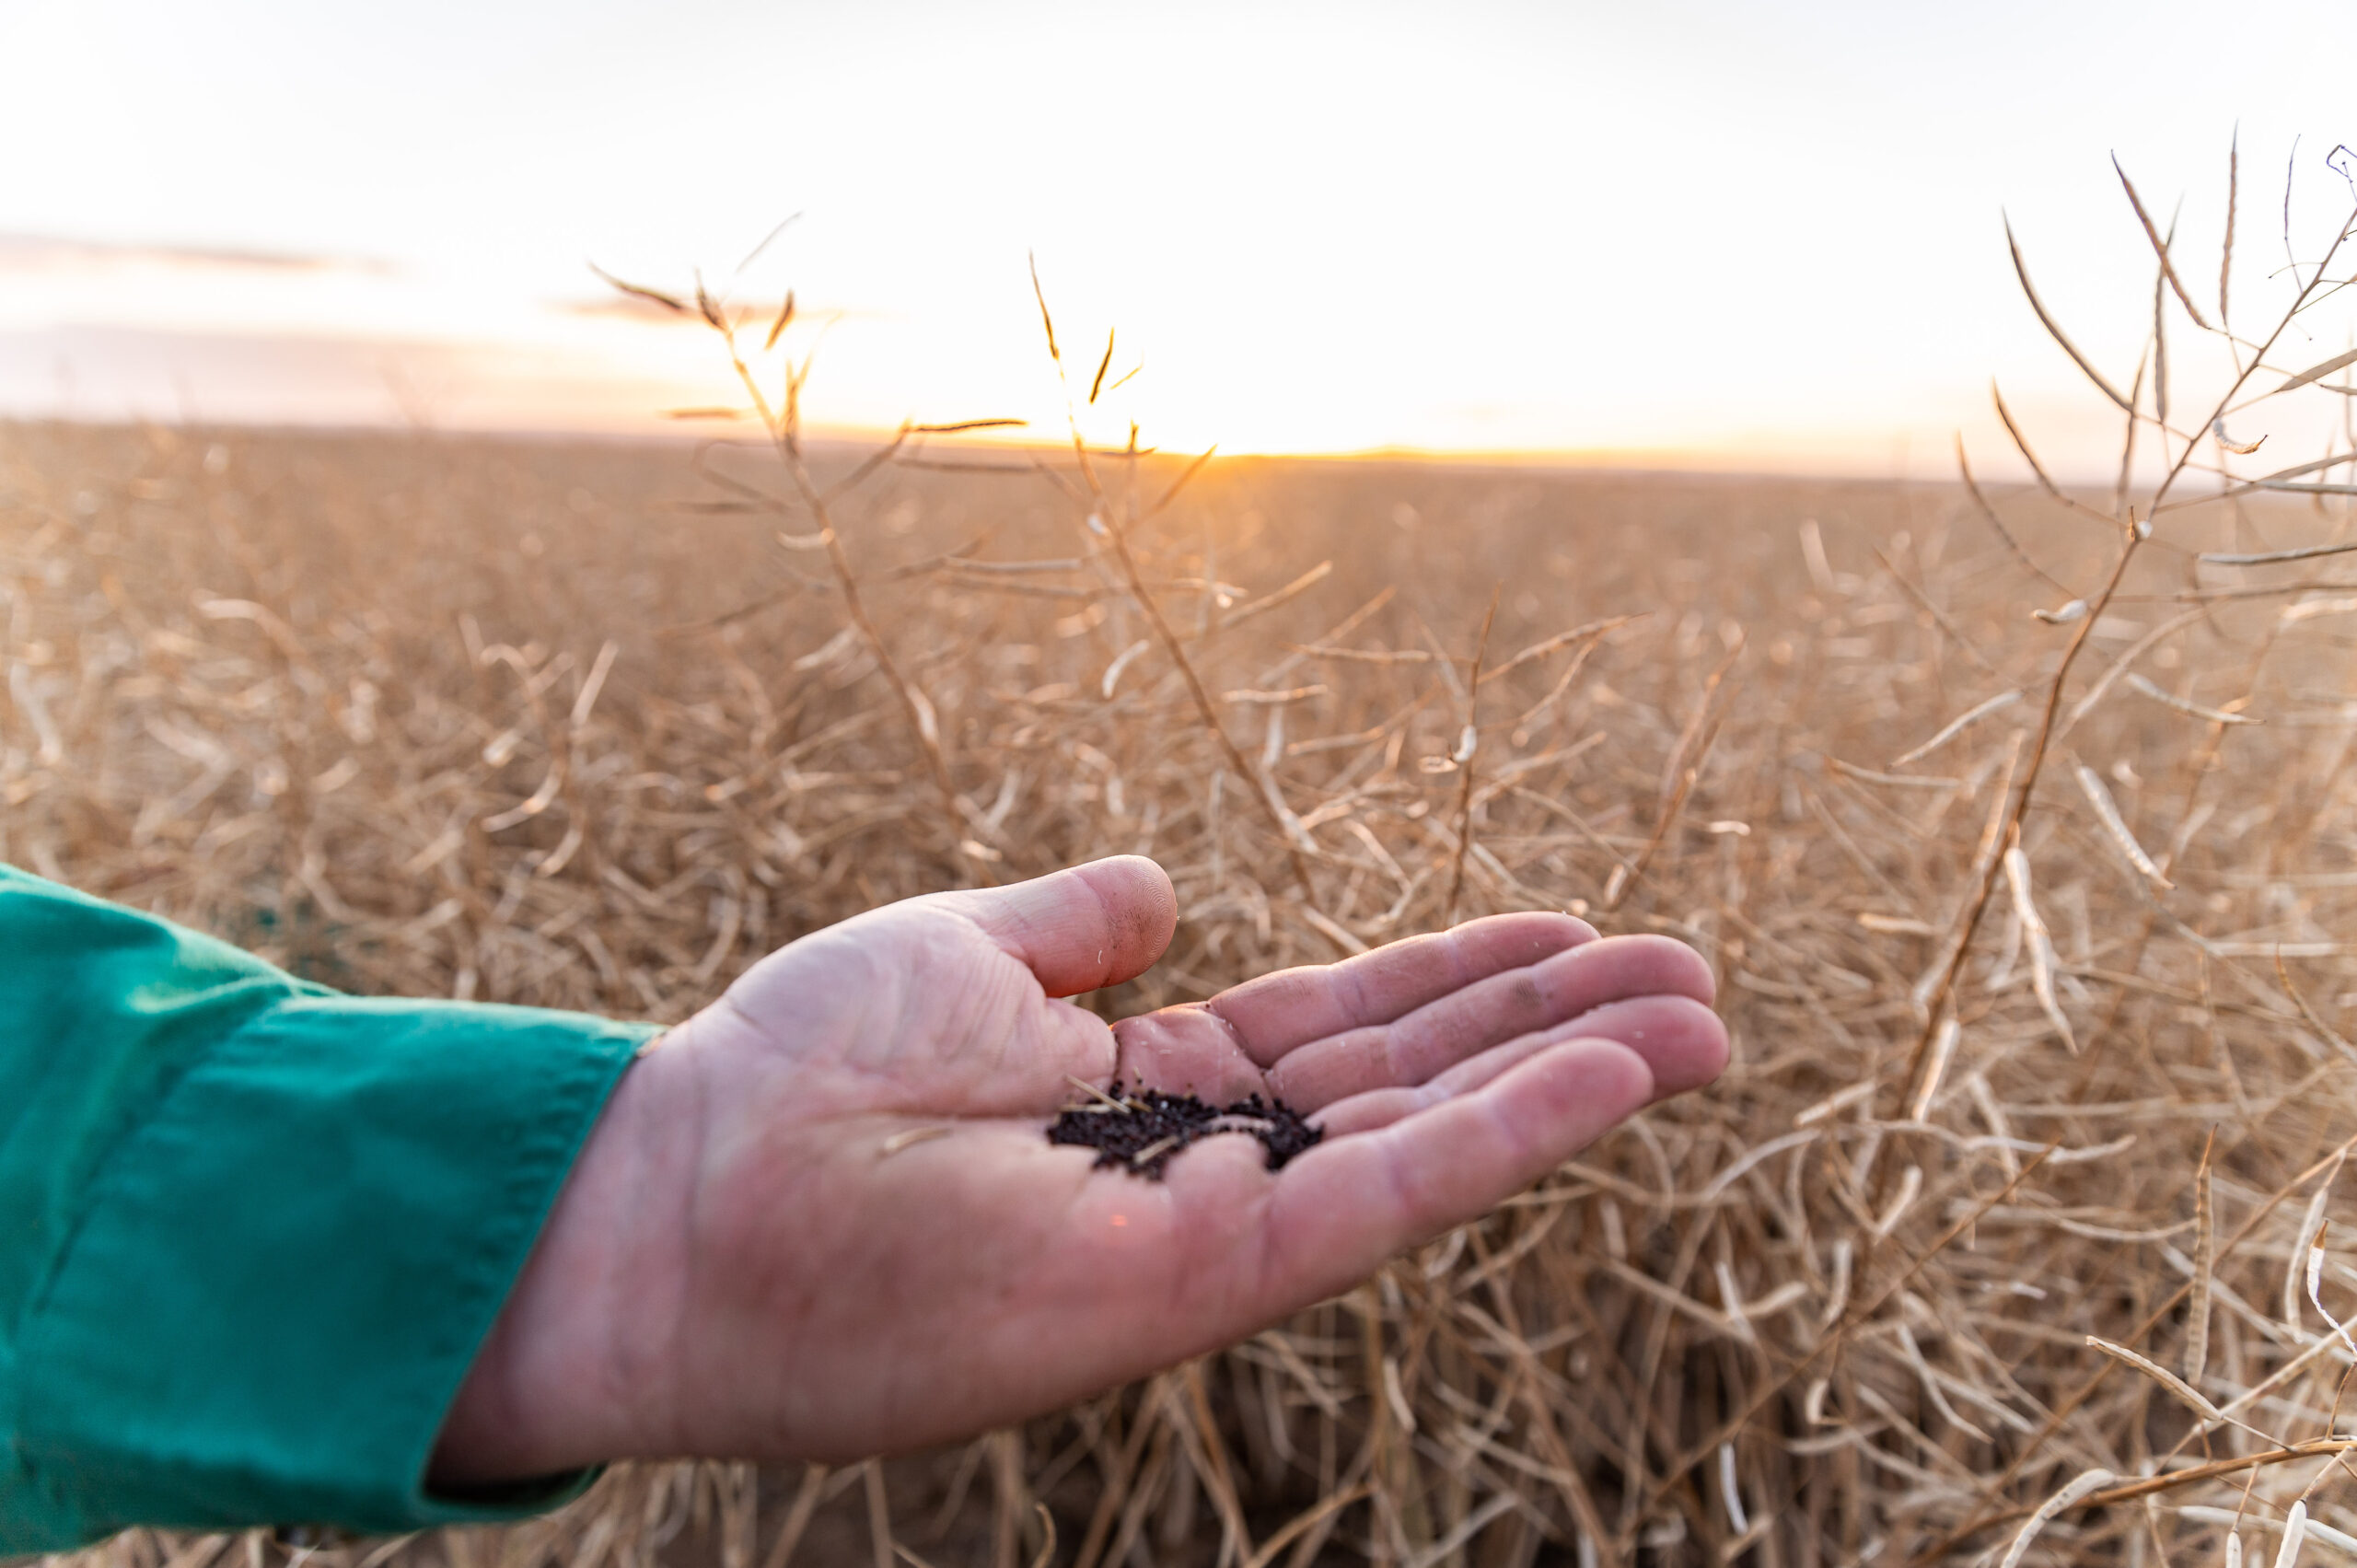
x,y
1273,1015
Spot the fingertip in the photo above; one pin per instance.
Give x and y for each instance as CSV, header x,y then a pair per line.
x,y
1707,1049
1574,930
1565,1096
1683,1043
1701,979
1522,937
1142,908
1077,929
1642,965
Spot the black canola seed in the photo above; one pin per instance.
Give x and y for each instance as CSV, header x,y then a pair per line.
x,y
1150,1126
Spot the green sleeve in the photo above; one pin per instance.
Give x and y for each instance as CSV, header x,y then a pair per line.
x,y
252,1231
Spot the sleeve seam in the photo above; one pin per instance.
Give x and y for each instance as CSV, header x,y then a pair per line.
x,y
108,1163
104,1176
484,1271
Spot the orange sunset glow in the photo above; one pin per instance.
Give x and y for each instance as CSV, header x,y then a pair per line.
x,y
1695,234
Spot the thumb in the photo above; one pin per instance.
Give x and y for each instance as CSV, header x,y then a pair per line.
x,y
1075,930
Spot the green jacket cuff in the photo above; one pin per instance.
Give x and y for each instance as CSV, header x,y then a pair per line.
x,y
281,1275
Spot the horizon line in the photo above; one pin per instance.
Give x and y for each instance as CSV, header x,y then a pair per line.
x,y
1697,462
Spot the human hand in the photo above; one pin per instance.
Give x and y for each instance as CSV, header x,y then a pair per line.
x,y
821,1219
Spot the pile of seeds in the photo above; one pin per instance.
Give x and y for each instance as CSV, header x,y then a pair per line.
x,y
1139,1131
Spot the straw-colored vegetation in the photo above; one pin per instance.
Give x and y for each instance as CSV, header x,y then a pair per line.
x,y
2037,933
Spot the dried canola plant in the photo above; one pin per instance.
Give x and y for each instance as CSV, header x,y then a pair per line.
x,y
2016,821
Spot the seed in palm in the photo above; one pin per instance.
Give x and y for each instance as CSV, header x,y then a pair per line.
x,y
1138,1132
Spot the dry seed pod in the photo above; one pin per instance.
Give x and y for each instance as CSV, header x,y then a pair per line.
x,y
2077,1487
2043,963
2295,1535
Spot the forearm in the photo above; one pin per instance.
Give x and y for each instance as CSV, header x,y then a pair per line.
x,y
264,1226
573,1373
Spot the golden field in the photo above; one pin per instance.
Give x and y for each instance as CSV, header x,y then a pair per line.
x,y
588,725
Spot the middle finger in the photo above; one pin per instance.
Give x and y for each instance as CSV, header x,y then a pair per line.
x,y
1439,1035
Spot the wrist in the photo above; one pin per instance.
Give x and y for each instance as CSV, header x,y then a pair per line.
x,y
573,1372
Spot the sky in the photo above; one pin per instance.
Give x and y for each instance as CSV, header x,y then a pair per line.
x,y
1688,233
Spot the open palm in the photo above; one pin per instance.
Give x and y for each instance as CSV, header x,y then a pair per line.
x,y
821,1220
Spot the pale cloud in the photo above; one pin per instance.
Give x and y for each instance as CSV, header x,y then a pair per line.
x,y
112,374
1695,231
58,253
